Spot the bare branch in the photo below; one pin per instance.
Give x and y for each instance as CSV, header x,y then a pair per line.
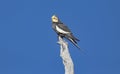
x,y
65,55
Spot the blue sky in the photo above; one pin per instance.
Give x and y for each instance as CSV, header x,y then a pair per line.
x,y
28,45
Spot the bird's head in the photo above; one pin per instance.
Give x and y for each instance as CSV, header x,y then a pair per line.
x,y
55,19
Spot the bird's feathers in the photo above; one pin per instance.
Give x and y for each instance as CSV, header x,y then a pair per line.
x,y
74,42
60,30
63,31
71,38
63,27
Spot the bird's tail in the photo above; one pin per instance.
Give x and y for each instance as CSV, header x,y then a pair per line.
x,y
71,38
70,35
75,43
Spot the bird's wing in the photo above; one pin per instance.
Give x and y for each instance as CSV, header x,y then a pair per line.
x,y
70,35
64,27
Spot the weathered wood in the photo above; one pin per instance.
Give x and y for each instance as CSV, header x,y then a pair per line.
x,y
65,55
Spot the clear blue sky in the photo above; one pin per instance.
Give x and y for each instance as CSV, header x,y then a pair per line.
x,y
28,45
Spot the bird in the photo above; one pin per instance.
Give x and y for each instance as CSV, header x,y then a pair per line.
x,y
63,31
